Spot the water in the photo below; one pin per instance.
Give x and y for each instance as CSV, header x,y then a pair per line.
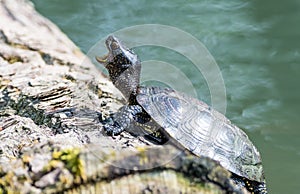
x,y
255,43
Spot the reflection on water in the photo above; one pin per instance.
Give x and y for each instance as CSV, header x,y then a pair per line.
x,y
256,45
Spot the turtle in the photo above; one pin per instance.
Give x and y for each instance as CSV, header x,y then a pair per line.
x,y
189,122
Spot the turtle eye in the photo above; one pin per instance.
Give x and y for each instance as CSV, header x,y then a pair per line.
x,y
114,45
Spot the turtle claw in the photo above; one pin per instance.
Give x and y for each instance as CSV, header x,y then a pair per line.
x,y
121,120
113,130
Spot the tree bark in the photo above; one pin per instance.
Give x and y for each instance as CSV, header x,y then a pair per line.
x,y
52,101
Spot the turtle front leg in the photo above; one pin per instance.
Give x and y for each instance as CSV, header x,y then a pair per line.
x,y
123,119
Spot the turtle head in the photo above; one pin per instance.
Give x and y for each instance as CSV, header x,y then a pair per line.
x,y
123,66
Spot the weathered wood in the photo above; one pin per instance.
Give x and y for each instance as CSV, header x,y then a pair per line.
x,y
52,100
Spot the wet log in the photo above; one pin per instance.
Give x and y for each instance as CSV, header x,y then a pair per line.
x,y
52,101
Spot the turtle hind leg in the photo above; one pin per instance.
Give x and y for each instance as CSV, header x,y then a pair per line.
x,y
122,119
251,185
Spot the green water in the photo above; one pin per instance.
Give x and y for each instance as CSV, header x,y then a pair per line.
x,y
255,43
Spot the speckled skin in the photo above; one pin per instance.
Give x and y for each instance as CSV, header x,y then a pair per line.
x,y
192,123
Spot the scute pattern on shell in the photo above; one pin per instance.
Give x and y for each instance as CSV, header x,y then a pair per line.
x,y
202,130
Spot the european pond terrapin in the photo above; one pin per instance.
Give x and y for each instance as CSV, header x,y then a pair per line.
x,y
190,122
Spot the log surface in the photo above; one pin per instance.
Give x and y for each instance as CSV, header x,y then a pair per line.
x,y
52,101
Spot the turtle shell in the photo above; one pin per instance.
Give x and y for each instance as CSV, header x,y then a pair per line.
x,y
202,130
